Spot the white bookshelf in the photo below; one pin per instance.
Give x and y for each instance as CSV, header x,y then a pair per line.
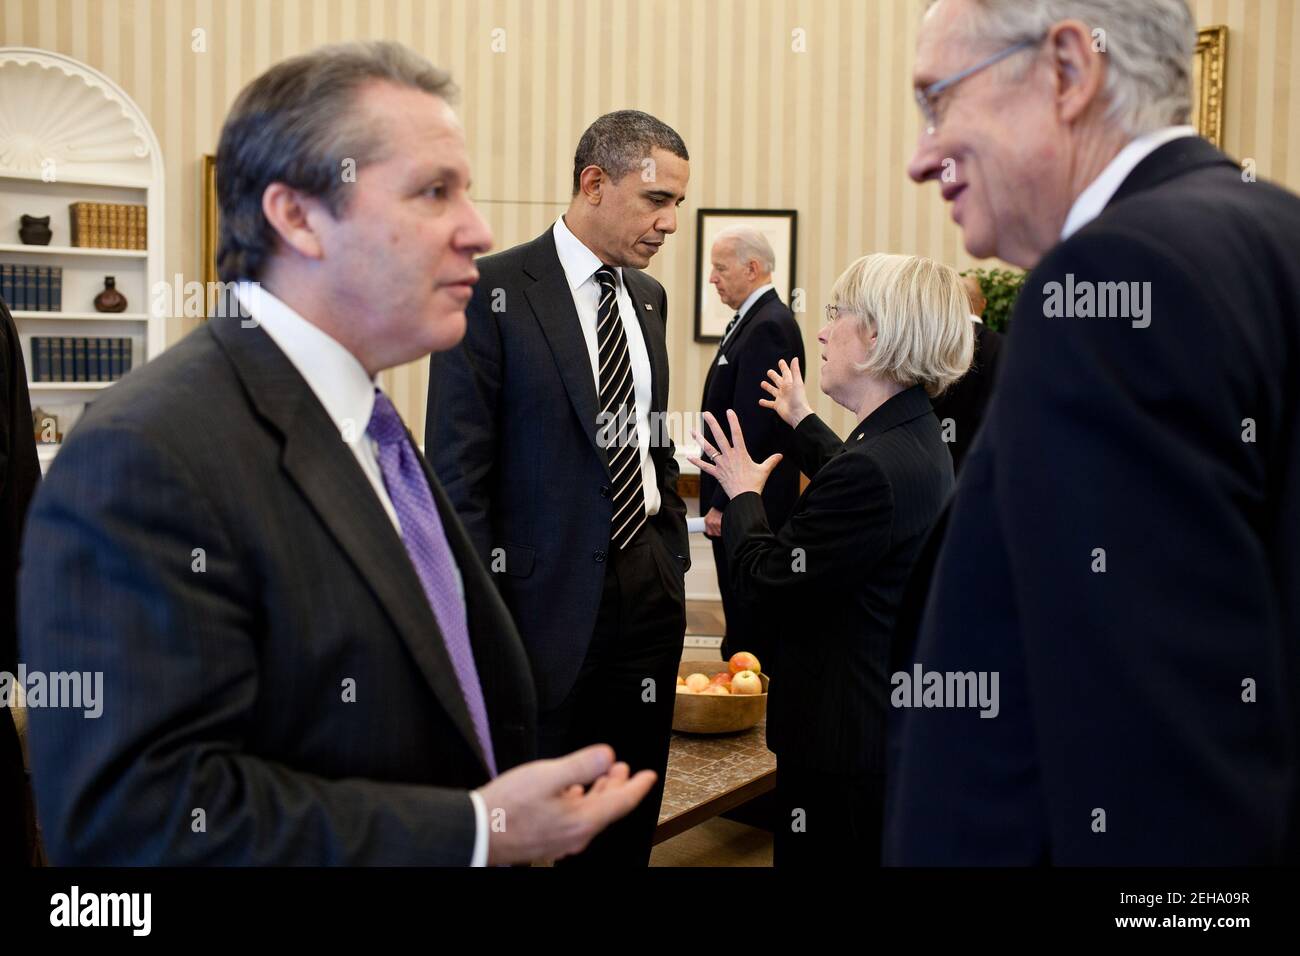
x,y
70,134
60,251
82,316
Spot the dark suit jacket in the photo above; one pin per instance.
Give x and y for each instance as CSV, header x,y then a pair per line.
x,y
830,580
966,400
512,433
766,334
224,683
20,472
1122,691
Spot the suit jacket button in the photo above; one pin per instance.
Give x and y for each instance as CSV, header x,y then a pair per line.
x,y
599,556
604,491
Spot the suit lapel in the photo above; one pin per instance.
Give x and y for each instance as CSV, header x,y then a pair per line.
x,y
746,323
317,460
1174,158
907,405
728,347
552,303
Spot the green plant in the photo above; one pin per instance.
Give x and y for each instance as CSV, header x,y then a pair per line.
x,y
1000,287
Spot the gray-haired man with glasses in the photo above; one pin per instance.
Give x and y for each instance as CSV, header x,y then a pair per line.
x,y
1120,552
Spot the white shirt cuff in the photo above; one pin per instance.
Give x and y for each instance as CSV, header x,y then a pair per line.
x,y
480,830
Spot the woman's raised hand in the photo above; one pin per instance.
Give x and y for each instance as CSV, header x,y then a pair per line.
x,y
789,400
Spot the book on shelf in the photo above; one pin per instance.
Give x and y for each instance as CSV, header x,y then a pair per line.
x,y
100,225
80,359
31,288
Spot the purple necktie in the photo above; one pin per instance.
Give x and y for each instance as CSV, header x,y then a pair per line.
x,y
426,543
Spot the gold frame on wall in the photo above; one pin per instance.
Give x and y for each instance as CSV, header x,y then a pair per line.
x,y
208,239
1209,69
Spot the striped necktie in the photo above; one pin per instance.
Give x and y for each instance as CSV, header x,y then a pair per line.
x,y
618,411
730,325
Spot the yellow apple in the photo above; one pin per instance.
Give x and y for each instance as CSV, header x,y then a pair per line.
x,y
746,682
696,682
716,690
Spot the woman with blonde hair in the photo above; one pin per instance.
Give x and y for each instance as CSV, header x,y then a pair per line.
x,y
830,580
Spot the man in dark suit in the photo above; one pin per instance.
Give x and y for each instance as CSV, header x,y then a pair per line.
x,y
547,428
303,660
761,333
20,472
1125,525
961,408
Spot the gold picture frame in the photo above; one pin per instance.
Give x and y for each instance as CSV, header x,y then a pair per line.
x,y
1209,70
208,238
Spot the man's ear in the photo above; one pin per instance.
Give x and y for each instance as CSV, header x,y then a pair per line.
x,y
591,183
295,219
1079,66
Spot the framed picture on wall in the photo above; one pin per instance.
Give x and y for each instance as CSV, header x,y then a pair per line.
x,y
1209,68
208,239
780,228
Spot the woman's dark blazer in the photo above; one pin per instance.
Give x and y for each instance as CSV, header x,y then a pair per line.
x,y
828,583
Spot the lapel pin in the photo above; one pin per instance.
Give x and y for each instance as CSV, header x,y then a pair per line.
x,y
647,307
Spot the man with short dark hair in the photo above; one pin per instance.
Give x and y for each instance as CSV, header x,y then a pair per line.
x,y
547,428
303,660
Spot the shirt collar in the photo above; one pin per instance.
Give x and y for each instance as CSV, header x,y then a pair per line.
x,y
579,262
753,297
333,373
1100,191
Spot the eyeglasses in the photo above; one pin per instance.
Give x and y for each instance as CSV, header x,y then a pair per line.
x,y
927,97
833,312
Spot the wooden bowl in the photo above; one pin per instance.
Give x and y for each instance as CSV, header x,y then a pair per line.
x,y
716,713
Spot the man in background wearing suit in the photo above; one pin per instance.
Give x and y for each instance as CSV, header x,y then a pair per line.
x,y
546,428
1121,550
303,660
761,333
20,472
960,409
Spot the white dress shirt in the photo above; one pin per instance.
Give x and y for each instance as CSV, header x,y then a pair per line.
x,y
347,393
580,267
1100,191
744,310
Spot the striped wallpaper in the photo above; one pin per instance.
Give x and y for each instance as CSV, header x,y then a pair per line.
x,y
827,131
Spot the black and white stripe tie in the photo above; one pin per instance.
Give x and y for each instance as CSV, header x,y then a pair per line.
x,y
618,410
735,319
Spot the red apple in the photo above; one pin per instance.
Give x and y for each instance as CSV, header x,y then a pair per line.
x,y
746,682
722,677
743,661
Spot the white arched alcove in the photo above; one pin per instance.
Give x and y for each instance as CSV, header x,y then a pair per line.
x,y
68,134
